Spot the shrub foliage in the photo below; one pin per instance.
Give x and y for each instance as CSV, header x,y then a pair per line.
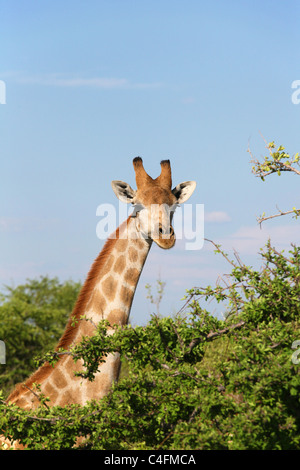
x,y
194,381
32,318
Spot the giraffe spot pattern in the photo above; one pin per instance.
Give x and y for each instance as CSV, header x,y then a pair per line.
x,y
112,294
108,265
126,295
121,245
117,316
120,264
22,402
49,391
132,254
87,328
109,287
69,396
140,244
131,276
97,302
70,367
60,381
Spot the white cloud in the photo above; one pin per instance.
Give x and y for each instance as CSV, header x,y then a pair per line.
x,y
9,224
18,224
188,100
217,216
17,272
249,239
96,82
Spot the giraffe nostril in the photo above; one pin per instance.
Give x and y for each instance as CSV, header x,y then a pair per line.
x,y
167,232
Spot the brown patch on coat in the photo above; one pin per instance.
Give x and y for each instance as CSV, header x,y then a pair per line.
x,y
49,391
126,295
59,379
117,317
132,276
97,302
109,287
133,254
120,264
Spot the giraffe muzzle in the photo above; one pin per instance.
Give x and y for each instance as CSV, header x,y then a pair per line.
x,y
165,232
165,238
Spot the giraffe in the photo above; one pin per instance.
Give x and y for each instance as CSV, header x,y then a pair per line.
x,y
109,288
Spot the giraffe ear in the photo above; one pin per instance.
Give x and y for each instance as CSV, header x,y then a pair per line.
x,y
123,191
183,191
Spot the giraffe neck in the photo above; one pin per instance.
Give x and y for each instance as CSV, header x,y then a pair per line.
x,y
107,294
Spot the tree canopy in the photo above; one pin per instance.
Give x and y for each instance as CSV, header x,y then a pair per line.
x,y
193,381
32,318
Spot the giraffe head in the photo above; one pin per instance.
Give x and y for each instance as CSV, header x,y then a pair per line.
x,y
154,202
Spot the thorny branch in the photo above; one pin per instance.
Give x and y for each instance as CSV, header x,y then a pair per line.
x,y
214,334
277,162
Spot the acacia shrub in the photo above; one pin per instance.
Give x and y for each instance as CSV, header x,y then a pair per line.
x,y
194,381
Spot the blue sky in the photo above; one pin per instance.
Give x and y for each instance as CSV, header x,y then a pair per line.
x,y
92,84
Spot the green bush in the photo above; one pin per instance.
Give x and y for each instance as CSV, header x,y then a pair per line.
x,y
32,319
194,381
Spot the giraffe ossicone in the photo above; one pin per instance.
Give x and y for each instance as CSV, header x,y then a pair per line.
x,y
109,288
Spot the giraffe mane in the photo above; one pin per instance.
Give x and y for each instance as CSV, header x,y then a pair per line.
x,y
71,329
85,293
